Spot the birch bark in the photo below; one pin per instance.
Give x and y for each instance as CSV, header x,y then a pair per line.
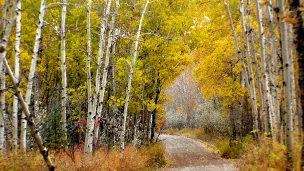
x,y
275,72
38,39
286,85
34,132
105,71
92,115
128,91
17,72
251,83
64,96
255,63
3,86
89,75
298,33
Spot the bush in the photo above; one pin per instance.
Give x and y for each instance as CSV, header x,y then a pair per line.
x,y
103,160
264,155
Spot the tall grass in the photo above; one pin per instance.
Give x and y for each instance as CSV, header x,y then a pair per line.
x,y
148,158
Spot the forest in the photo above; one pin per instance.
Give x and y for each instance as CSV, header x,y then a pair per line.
x,y
108,84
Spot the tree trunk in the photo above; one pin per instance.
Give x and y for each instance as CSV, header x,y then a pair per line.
x,y
7,26
105,71
17,73
250,80
64,96
3,110
274,71
287,87
298,31
122,139
38,39
34,132
89,77
258,75
92,115
266,82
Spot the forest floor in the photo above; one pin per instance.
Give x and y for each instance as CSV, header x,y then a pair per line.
x,y
186,154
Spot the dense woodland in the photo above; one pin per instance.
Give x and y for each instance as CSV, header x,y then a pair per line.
x,y
115,73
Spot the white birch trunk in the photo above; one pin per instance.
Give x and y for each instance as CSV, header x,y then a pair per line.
x,y
274,71
251,84
266,82
122,138
105,71
17,73
258,75
286,83
3,87
31,74
7,26
34,132
295,114
89,76
92,115
64,96
3,109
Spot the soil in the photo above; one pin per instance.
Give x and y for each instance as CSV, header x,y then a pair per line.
x,y
186,154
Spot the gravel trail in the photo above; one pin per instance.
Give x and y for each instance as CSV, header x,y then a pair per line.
x,y
186,154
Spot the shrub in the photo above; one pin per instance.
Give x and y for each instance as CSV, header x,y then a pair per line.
x,y
264,155
131,160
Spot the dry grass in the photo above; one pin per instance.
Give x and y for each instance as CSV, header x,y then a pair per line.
x,y
268,155
132,159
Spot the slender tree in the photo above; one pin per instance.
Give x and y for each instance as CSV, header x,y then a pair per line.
x,y
32,73
255,61
286,87
275,72
92,115
298,33
128,91
89,76
64,96
105,70
251,84
34,132
3,85
266,82
17,72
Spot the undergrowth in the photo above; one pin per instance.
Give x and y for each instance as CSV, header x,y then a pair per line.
x,y
147,158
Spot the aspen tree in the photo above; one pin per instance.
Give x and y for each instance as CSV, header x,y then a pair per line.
x,y
128,91
32,73
255,61
3,86
266,81
3,111
89,76
17,72
251,84
105,71
286,87
64,96
92,115
298,33
275,72
24,105
28,116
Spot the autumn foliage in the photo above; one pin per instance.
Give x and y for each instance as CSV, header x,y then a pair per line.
x,y
131,159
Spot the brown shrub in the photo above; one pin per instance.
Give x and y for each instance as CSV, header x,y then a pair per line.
x,y
102,160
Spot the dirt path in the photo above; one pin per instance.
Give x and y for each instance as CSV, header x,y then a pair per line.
x,y
186,154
